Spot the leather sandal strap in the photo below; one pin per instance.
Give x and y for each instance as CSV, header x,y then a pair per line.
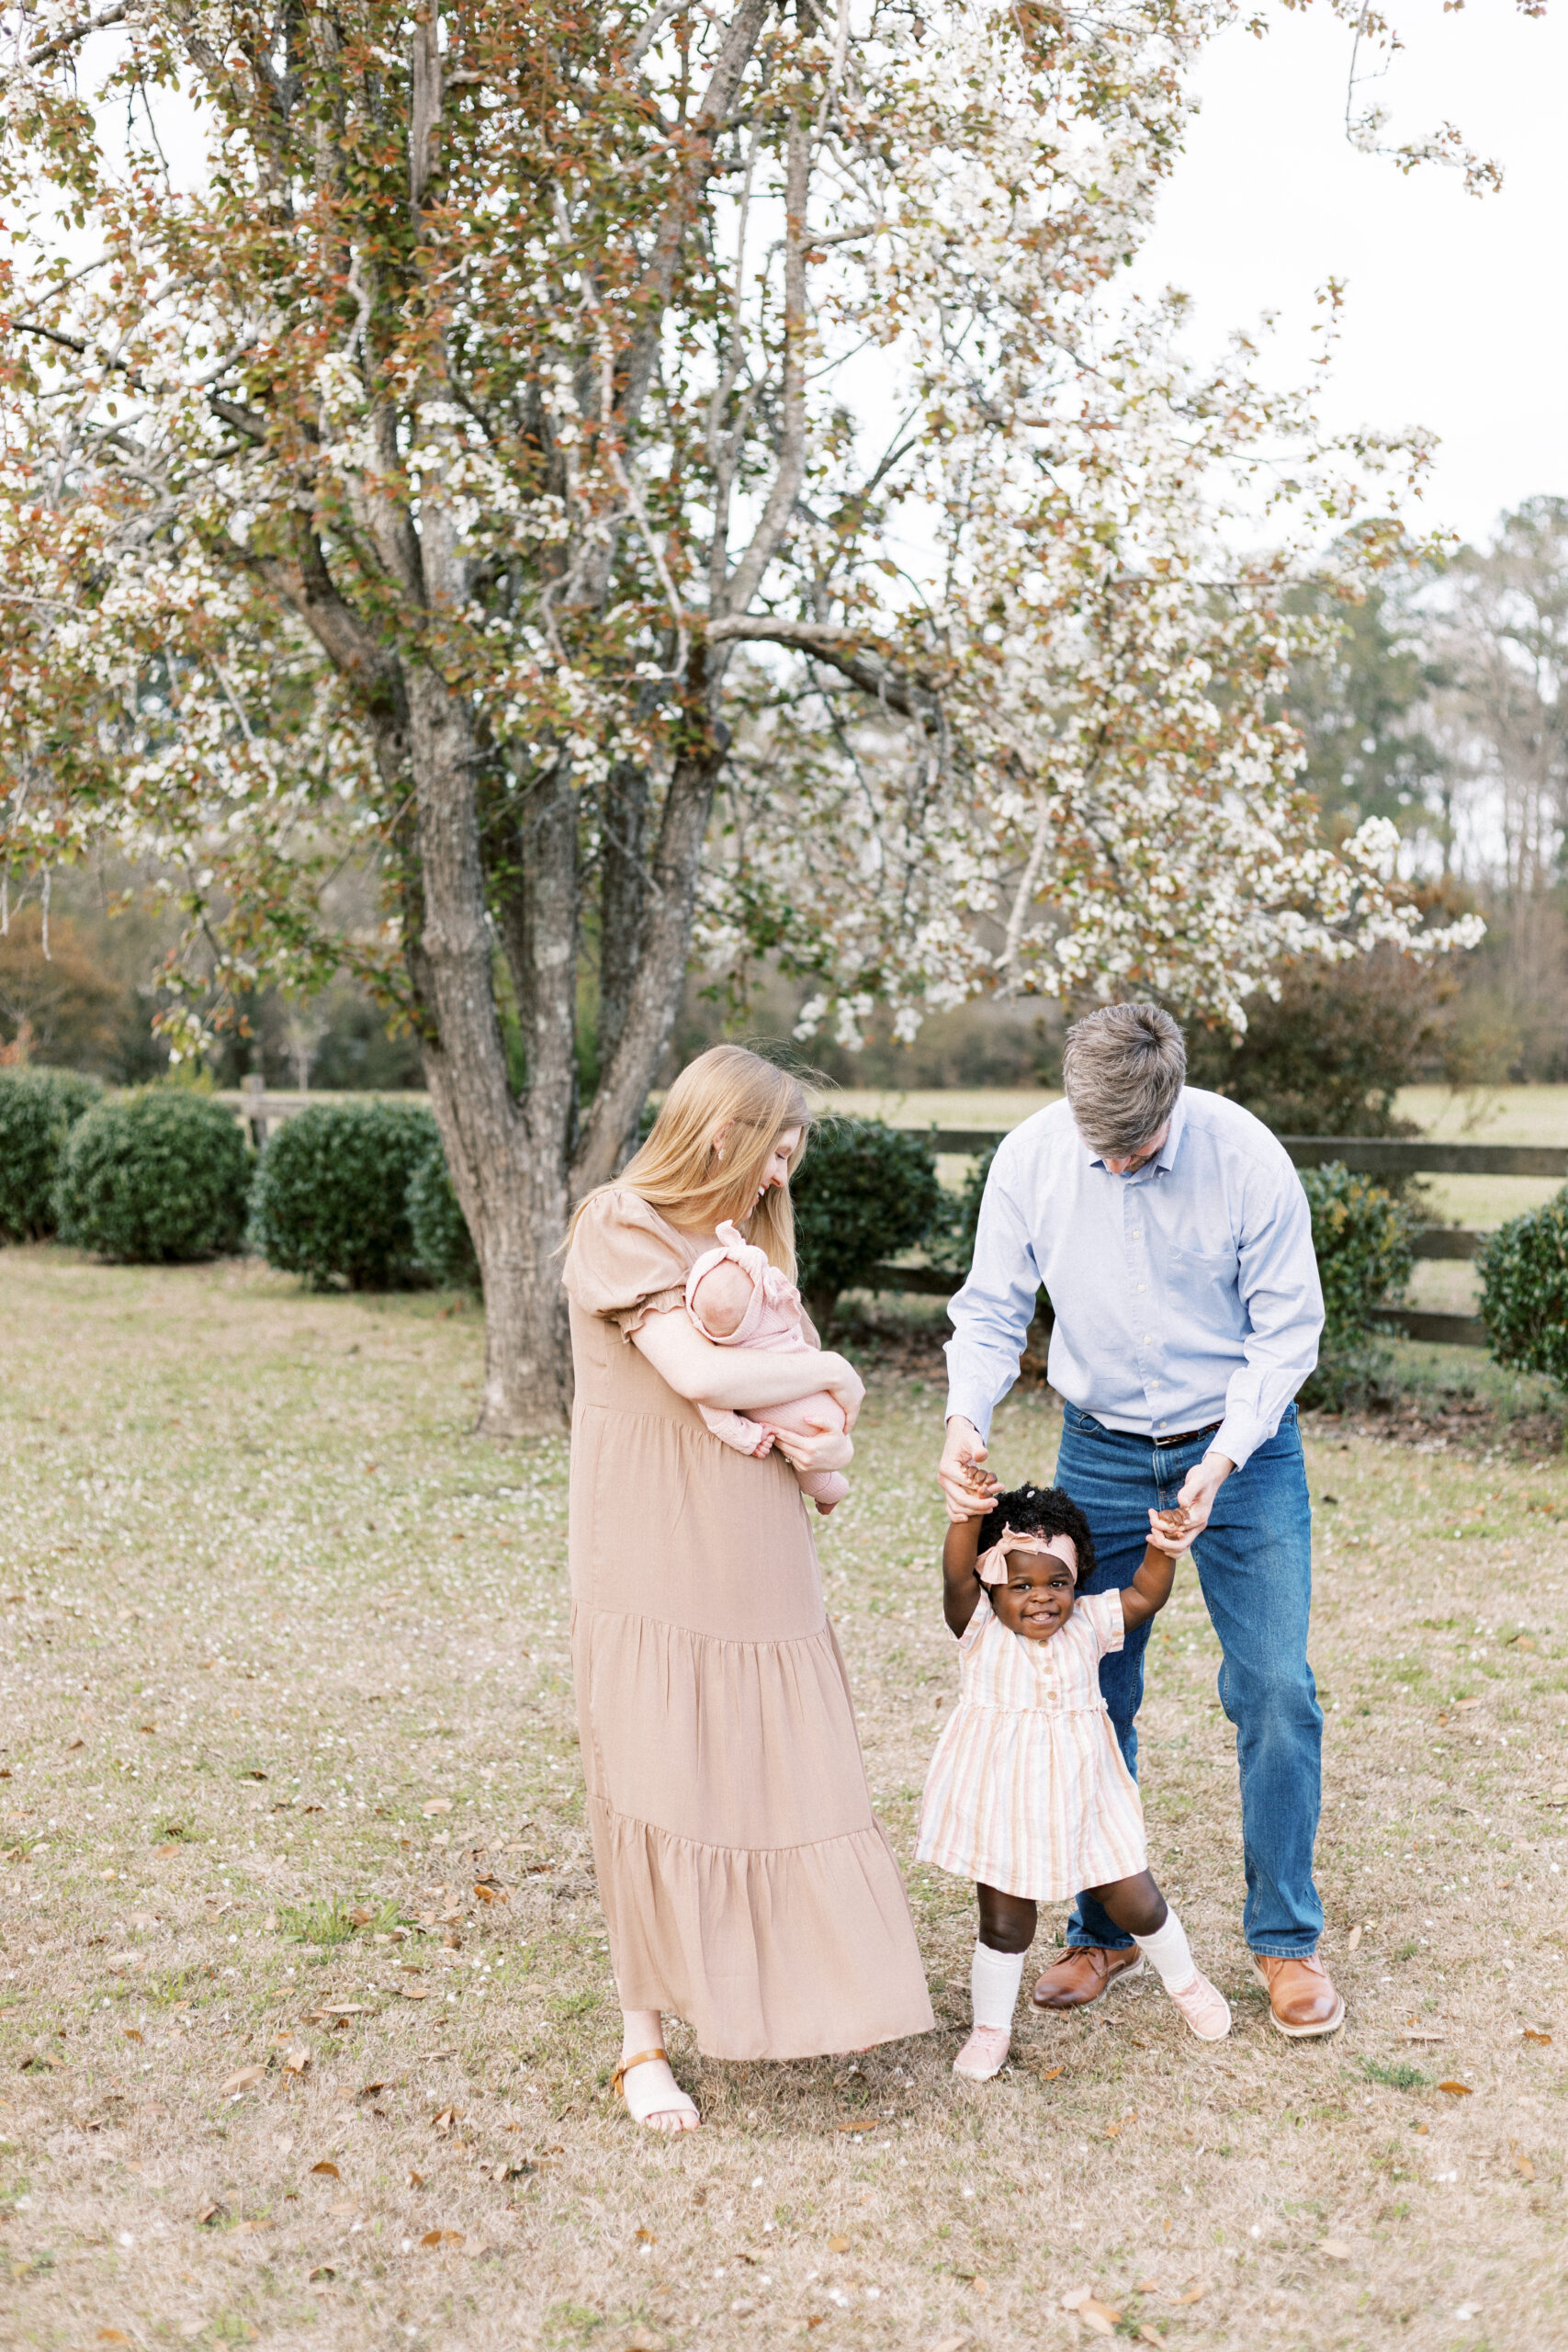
x,y
624,2069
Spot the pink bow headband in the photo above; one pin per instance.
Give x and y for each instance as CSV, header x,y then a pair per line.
x,y
991,1567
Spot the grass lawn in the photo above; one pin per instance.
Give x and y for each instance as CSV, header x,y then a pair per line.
x,y
305,2015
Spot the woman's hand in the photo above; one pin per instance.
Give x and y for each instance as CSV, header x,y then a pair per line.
x,y
847,1389
825,1449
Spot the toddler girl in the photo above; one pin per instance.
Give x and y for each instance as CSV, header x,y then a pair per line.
x,y
1028,1793
738,1299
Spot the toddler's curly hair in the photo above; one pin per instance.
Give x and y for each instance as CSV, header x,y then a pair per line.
x,y
1041,1511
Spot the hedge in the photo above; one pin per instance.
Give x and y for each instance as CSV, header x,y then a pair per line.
x,y
331,1195
862,1191
156,1177
37,1110
1362,1236
1524,1290
442,1243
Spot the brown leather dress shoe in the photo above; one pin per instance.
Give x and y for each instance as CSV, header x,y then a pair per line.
x,y
1301,1998
1082,1974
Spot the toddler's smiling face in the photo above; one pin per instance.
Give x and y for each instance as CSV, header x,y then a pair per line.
x,y
1037,1599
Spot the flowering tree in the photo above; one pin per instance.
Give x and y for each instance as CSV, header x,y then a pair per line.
x,y
466,443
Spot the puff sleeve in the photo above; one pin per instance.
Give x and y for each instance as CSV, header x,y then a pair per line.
x,y
623,1263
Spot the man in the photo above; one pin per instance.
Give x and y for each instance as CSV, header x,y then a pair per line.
x,y
1174,1240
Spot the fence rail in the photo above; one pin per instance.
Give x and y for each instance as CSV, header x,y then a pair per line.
x,y
1365,1156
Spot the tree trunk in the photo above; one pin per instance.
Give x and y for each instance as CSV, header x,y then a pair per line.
x,y
512,1193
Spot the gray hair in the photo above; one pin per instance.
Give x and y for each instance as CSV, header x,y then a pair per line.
x,y
1123,1068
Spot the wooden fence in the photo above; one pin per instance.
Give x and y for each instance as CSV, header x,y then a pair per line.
x,y
1366,1156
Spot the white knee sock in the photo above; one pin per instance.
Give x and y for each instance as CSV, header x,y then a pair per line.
x,y
994,1980
1170,1950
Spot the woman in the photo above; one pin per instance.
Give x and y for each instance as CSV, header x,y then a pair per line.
x,y
747,1883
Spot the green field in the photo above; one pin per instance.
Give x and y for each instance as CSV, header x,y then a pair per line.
x,y
305,2013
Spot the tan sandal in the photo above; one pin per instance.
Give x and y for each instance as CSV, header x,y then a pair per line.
x,y
618,2084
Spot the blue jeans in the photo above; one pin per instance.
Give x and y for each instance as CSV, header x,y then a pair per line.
x,y
1254,1568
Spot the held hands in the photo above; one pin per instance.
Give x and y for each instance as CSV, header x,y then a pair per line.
x,y
1173,1531
967,1487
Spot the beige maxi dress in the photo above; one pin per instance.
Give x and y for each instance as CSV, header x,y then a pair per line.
x,y
747,1883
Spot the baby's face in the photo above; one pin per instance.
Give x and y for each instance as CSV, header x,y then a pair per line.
x,y
1037,1599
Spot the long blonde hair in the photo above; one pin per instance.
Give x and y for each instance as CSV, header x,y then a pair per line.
x,y
678,1172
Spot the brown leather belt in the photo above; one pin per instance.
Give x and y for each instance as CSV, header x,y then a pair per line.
x,y
1186,1437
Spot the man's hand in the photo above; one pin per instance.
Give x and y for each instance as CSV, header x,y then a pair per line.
x,y
1199,1488
967,1488
1168,1533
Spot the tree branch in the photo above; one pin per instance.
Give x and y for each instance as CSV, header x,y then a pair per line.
x,y
76,32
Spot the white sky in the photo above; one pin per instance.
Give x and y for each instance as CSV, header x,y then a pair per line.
x,y
1455,316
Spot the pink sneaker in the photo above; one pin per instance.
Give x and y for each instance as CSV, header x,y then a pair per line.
x,y
1205,2008
986,2054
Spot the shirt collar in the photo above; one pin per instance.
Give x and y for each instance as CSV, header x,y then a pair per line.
x,y
1164,1159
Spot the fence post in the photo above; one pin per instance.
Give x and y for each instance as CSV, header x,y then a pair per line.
x,y
253,1106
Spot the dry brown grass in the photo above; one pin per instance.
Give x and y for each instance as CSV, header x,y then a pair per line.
x,y
251,1538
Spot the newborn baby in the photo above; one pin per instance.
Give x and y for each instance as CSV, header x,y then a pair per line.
x,y
738,1300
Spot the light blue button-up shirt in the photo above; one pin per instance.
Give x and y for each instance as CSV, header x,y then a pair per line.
x,y
1184,1295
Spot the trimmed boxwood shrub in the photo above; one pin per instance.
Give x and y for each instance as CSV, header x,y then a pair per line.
x,y
1362,1236
1524,1290
155,1177
442,1243
330,1200
863,1191
37,1110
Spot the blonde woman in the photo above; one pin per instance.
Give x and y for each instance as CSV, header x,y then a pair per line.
x,y
747,1883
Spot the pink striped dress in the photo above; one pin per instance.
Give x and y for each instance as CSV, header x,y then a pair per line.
x,y
1026,1790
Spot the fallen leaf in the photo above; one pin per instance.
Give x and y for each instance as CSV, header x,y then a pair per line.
x,y
343,2009
361,1918
416,1992
1421,2033
368,2090
1192,2294
1457,2089
838,2245
981,2289
1530,2035
113,2336
857,2127
442,2237
645,2237
436,1804
1075,2296
444,2120
328,2167
1524,2167
1113,2131
1049,2073
488,1891
256,1774
344,2212
1147,2335
298,2059
815,2319
72,1744
1147,2287
322,2270
948,2344
1335,2248
244,2078
132,2033
210,2213
1354,1941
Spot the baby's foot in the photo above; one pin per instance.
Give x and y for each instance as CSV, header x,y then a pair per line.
x,y
984,2055
1205,2008
653,2096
